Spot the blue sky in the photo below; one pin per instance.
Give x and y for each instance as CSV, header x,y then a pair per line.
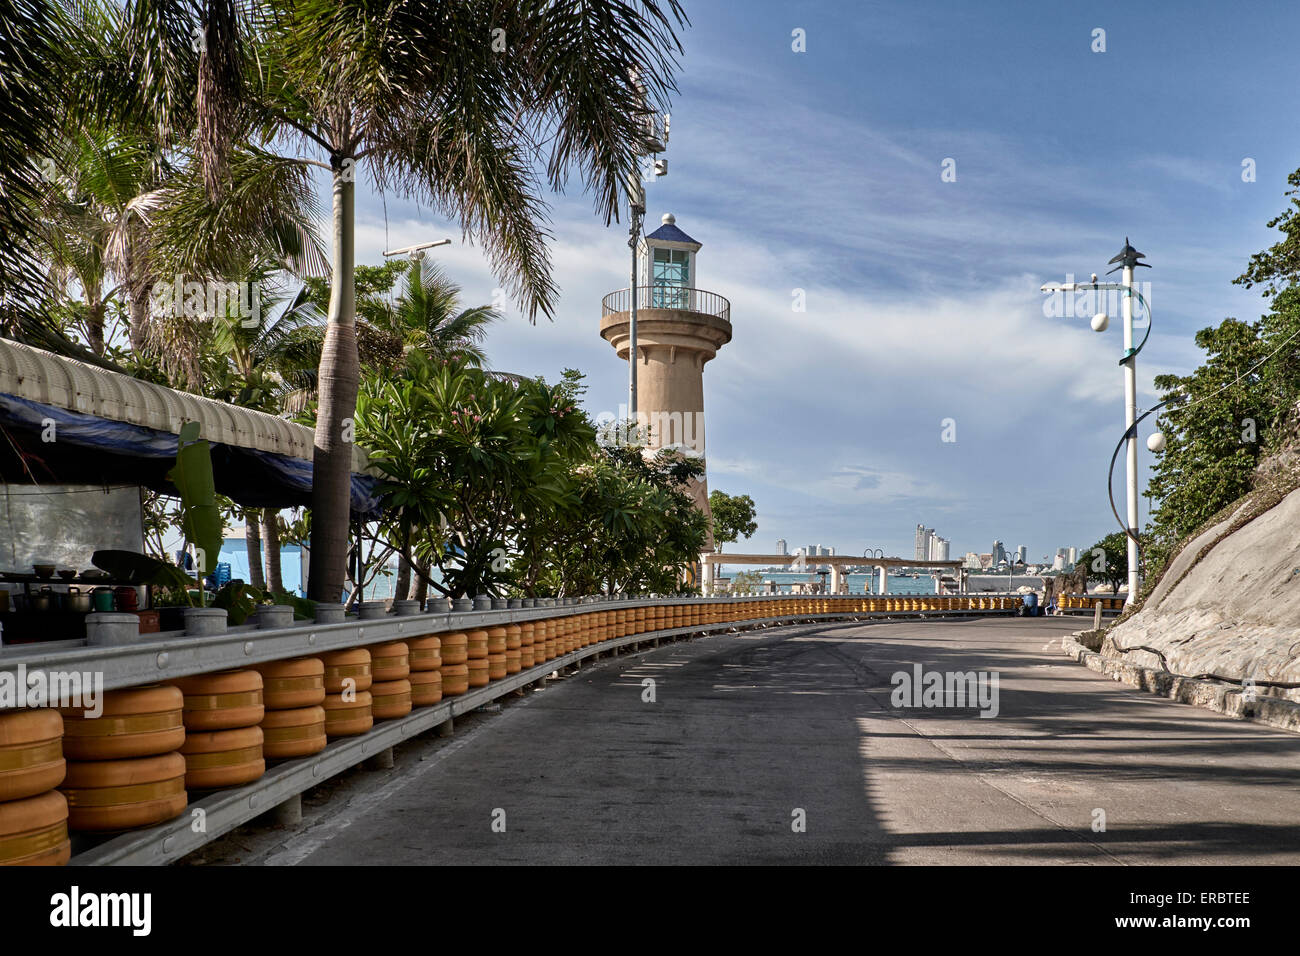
x,y
821,171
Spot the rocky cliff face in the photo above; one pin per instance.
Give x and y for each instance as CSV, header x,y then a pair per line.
x,y
1228,605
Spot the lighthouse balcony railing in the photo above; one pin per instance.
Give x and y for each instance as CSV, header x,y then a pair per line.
x,y
668,297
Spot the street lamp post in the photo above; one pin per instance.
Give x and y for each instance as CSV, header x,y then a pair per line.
x,y
655,143
876,553
1011,570
1125,262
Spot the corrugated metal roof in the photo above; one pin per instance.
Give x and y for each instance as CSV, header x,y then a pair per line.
x,y
41,376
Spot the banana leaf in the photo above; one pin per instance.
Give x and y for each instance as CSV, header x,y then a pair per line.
x,y
200,516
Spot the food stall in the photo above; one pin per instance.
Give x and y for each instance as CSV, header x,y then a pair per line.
x,y
80,445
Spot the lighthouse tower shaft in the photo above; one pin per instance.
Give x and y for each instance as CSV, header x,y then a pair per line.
x,y
679,329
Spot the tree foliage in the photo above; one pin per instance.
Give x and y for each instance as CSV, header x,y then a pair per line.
x,y
1224,416
733,517
1107,560
499,486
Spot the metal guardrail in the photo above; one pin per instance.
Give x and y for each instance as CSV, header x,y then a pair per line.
x,y
171,655
667,297
224,810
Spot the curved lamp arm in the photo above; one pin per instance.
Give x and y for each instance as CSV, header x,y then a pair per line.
x,y
1130,432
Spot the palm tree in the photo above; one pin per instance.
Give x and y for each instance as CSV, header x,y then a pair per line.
x,y
452,104
426,316
456,104
32,49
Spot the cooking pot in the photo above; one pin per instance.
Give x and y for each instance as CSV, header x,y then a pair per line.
x,y
42,600
77,600
102,598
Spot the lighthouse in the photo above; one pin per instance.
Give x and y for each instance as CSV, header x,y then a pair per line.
x,y
679,328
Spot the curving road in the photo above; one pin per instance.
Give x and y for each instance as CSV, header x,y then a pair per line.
x,y
747,730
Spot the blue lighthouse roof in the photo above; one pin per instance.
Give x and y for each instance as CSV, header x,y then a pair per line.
x,y
669,232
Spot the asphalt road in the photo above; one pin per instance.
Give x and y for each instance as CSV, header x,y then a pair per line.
x,y
748,730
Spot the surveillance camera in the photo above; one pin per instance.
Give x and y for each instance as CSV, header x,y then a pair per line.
x,y
418,247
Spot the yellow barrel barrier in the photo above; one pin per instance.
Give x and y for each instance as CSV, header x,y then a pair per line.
x,y
426,687
107,795
293,732
136,722
527,657
348,714
34,831
389,662
477,649
31,753
496,656
223,758
514,649
454,669
131,767
299,682
552,638
424,653
391,698
347,670
224,700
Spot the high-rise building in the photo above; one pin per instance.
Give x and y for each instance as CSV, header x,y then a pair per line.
x,y
922,545
999,553
972,561
939,548
781,547
1023,554
1073,556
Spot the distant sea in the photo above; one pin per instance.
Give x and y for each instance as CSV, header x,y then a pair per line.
x,y
898,584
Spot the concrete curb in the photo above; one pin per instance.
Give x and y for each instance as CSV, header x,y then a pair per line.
x,y
1219,697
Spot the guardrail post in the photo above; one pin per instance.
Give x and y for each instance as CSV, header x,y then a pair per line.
x,y
288,813
383,760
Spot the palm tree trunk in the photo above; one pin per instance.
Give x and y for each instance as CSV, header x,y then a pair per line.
x,y
339,371
95,327
253,544
274,579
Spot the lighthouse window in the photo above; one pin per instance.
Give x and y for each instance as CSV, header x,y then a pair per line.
x,y
672,278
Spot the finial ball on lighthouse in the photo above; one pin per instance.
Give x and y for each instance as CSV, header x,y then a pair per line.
x,y
668,219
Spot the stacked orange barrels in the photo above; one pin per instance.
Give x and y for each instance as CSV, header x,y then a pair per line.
x,y
527,649
223,729
390,671
292,693
455,663
348,704
478,663
552,639
125,768
426,670
496,645
33,814
514,649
